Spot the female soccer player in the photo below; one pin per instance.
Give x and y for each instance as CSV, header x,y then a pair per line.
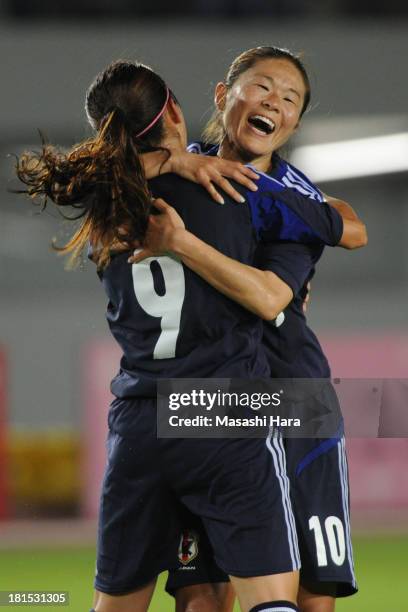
x,y
156,314
259,106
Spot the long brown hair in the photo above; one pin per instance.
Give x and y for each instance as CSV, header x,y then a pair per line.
x,y
214,131
103,177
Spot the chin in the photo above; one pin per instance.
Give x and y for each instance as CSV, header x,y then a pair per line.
x,y
252,153
248,151
257,149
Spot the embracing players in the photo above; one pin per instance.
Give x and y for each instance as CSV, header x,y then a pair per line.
x,y
170,323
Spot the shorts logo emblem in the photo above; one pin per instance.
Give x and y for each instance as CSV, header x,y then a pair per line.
x,y
188,548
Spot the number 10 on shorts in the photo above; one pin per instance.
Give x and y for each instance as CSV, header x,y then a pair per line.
x,y
335,537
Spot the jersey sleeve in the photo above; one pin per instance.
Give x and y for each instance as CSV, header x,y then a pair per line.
x,y
281,213
195,147
284,209
293,263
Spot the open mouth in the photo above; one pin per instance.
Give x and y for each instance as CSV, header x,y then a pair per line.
x,y
262,124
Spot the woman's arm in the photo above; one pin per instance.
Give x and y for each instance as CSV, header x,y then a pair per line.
x,y
202,169
209,171
260,291
354,230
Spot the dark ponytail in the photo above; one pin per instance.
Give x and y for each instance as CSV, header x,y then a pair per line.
x,y
103,177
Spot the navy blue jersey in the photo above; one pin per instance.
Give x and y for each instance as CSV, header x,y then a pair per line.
x,y
168,321
292,348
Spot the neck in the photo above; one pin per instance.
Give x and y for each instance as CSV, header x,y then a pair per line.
x,y
175,136
229,151
173,142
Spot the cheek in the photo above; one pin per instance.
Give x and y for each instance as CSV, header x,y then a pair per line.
x,y
291,119
232,116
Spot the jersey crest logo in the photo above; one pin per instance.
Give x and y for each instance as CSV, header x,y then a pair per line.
x,y
188,548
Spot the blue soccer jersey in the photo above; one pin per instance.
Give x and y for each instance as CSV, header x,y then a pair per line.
x,y
292,348
170,323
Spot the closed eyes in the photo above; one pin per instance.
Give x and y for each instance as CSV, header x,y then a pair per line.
x,y
263,86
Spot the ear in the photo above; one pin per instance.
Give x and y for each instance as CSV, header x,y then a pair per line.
x,y
174,111
220,96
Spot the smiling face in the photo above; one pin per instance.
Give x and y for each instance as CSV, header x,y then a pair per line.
x,y
260,111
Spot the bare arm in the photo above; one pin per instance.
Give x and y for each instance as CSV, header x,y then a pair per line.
x,y
260,291
210,172
354,230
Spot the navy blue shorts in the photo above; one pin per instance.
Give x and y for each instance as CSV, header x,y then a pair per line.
x,y
238,488
318,474
319,490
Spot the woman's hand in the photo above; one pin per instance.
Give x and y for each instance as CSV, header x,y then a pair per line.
x,y
162,231
211,172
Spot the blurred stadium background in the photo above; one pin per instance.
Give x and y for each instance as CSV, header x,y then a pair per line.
x,y
56,356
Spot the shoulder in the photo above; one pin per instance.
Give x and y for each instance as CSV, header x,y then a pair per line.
x,y
179,190
174,186
295,178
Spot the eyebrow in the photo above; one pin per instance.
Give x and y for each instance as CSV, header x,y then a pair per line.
x,y
268,78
